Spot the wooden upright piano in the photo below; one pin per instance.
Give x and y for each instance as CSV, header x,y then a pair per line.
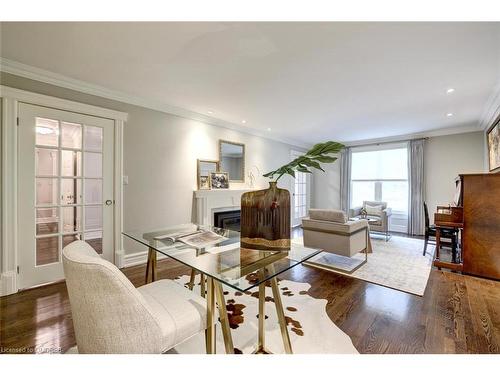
x,y
480,198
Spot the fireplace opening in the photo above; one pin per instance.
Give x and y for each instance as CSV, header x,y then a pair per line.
x,y
228,220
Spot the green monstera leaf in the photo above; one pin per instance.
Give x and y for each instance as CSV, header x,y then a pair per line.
x,y
313,158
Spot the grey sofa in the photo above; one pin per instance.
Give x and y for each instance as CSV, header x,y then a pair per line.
x,y
378,223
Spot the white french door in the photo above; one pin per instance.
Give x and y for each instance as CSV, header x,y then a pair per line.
x,y
300,194
65,189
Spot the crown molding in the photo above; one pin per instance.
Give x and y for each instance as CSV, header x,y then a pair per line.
x,y
491,110
407,137
45,76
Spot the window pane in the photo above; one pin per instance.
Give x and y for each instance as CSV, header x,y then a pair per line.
x,y
46,162
68,238
93,191
71,135
94,239
395,193
93,164
93,138
362,191
47,221
47,250
93,217
71,191
72,219
46,191
47,132
383,164
71,163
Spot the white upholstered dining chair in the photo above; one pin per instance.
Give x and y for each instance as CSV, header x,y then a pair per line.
x,y
111,316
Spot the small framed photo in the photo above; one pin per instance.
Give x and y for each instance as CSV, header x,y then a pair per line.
x,y
219,180
204,183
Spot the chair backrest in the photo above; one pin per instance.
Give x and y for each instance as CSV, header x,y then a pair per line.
x,y
109,314
426,216
375,203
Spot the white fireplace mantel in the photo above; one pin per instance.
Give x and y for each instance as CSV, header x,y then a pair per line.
x,y
209,201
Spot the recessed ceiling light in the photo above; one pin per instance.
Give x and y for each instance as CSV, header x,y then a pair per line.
x,y
210,112
449,115
243,121
268,129
450,90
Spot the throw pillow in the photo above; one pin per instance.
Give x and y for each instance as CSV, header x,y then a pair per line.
x,y
373,210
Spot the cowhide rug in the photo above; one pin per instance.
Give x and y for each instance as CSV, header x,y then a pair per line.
x,y
311,330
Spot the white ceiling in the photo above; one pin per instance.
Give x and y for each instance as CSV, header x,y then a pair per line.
x,y
308,82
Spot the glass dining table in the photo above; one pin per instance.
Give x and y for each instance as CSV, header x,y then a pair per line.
x,y
224,263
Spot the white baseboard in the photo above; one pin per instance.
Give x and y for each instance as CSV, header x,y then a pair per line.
x,y
119,258
135,259
8,283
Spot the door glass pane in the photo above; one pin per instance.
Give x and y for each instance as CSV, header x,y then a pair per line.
x,y
72,219
93,138
68,238
93,191
71,163
47,220
93,218
71,135
93,164
47,250
71,191
94,239
46,191
47,132
46,162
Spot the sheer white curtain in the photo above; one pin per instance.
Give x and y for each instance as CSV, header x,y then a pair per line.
x,y
345,179
416,187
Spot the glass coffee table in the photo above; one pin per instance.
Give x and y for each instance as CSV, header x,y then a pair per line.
x,y
226,263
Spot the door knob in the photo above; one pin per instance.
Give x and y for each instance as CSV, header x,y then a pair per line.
x,y
109,202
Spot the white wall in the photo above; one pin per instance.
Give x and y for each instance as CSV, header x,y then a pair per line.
x,y
160,158
445,158
326,187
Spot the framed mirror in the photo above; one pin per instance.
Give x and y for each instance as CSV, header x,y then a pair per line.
x,y
232,160
205,168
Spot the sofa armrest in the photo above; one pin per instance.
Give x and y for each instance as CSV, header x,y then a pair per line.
x,y
387,212
356,211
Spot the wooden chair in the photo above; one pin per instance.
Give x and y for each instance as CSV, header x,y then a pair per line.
x,y
448,233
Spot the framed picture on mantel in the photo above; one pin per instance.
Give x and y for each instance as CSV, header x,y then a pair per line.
x,y
493,139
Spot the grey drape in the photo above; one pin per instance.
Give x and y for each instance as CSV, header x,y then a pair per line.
x,y
345,179
416,187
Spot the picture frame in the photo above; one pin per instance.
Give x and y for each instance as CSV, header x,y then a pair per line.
x,y
204,183
204,168
493,141
219,180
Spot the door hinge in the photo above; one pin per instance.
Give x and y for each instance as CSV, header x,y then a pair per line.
x,y
17,120
18,269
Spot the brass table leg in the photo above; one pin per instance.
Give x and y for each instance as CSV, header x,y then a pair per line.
x,y
261,345
151,266
281,316
210,333
202,284
224,320
191,279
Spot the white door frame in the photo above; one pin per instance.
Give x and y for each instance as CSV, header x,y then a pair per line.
x,y
293,155
11,98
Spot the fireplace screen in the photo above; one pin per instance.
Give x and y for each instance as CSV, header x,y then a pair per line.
x,y
228,220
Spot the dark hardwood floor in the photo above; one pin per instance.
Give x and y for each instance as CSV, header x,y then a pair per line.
x,y
457,314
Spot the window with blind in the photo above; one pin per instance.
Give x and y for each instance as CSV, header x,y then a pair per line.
x,y
381,175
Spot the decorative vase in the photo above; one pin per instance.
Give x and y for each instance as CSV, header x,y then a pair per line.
x,y
265,219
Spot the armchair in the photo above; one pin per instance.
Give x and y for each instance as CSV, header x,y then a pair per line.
x,y
377,214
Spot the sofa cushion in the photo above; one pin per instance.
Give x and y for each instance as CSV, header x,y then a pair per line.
x,y
373,210
336,216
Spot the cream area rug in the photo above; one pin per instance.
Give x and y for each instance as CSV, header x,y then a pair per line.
x,y
311,330
397,264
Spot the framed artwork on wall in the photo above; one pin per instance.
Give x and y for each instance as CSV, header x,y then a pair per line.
x,y
493,139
